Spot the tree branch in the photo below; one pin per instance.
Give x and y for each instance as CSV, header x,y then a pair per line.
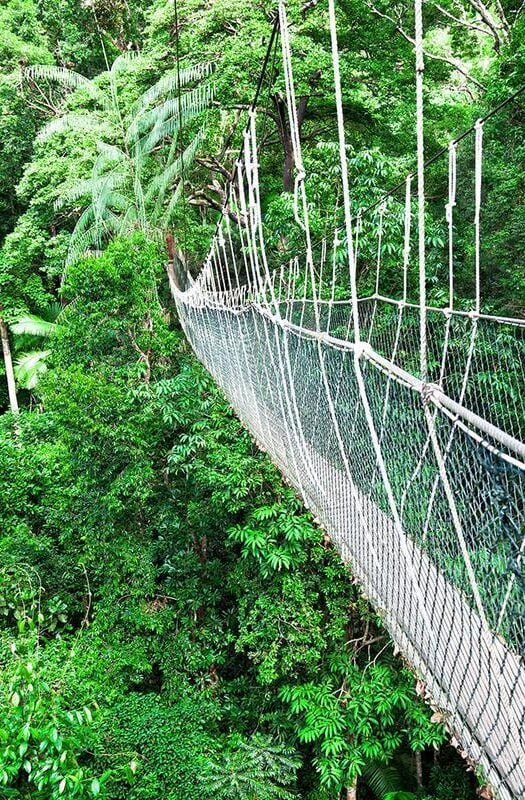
x,y
445,59
214,165
488,19
200,198
463,22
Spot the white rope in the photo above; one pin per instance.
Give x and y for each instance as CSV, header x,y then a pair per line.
x,y
299,187
382,208
449,215
420,67
406,238
477,211
344,169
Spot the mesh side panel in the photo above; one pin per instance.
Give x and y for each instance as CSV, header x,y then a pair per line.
x,y
300,397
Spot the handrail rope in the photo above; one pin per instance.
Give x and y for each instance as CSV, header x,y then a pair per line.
x,y
420,69
344,170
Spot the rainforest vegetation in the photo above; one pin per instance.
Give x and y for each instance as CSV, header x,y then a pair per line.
x,y
173,624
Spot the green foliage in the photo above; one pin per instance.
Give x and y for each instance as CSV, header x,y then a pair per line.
x,y
362,720
22,40
42,738
449,781
171,742
136,178
274,536
134,473
22,37
254,770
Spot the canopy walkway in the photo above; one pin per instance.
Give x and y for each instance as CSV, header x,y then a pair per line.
x,y
383,412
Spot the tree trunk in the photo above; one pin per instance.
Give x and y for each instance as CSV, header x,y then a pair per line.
x,y
9,372
351,791
283,128
419,768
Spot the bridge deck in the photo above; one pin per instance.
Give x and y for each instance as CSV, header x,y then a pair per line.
x,y
470,674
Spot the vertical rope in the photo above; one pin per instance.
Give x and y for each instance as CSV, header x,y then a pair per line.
x,y
299,186
406,240
181,128
449,212
477,212
344,170
382,209
420,69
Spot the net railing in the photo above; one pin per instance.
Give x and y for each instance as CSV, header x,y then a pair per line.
x,y
415,466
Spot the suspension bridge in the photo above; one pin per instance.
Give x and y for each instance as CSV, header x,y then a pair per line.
x,y
379,410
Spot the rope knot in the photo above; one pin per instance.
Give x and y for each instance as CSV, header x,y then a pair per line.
x,y
426,393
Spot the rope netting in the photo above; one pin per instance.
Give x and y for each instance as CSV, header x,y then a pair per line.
x,y
401,423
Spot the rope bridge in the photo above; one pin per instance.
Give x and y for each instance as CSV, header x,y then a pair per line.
x,y
384,412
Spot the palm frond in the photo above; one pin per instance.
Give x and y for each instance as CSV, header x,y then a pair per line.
x,y
101,200
83,188
29,367
69,79
90,187
129,218
84,221
167,217
80,243
169,84
70,122
113,223
117,201
111,152
153,125
32,325
124,61
160,183
382,779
